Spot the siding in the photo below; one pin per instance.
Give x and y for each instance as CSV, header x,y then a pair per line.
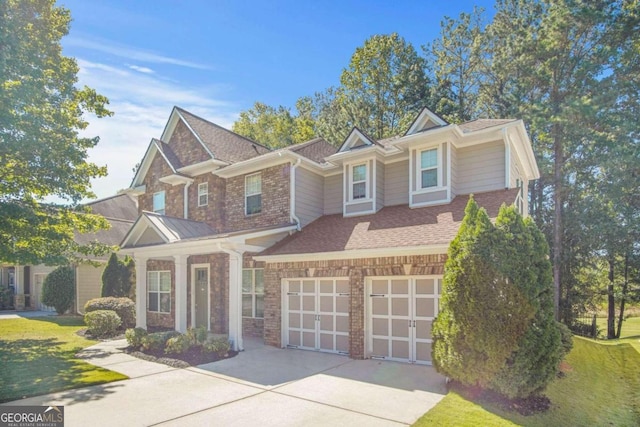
x,y
88,284
380,167
396,183
454,171
481,168
333,194
309,193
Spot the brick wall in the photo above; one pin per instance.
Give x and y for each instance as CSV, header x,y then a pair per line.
x,y
173,194
252,327
357,270
164,320
186,147
275,200
213,213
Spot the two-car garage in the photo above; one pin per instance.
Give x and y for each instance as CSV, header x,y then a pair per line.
x,y
398,314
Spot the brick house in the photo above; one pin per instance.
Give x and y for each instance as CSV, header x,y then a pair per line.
x,y
313,247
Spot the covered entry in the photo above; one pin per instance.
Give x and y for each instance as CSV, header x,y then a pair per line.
x,y
399,313
316,314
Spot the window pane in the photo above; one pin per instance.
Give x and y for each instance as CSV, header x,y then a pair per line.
x,y
430,178
158,202
247,300
165,303
165,281
253,185
203,194
360,190
152,280
359,173
254,204
259,305
247,281
153,301
429,158
259,281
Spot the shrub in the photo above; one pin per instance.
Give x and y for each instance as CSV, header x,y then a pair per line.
x,y
58,290
198,336
178,344
134,336
5,298
220,346
116,277
125,308
102,323
566,337
156,341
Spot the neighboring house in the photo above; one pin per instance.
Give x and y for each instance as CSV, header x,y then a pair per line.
x,y
27,280
308,246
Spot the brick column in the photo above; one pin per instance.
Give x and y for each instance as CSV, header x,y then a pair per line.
x,y
181,292
141,292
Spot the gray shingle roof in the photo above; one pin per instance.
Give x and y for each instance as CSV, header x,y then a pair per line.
x,y
479,124
316,149
169,154
121,206
223,143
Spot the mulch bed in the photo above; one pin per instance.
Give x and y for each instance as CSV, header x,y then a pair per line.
x,y
193,357
527,406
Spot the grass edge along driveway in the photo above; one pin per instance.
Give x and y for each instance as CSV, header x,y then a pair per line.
x,y
601,387
37,356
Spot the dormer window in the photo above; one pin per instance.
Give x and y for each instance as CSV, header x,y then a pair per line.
x,y
359,182
158,202
428,168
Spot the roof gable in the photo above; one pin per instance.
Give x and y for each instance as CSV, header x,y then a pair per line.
x,y
155,147
151,229
315,150
427,119
356,139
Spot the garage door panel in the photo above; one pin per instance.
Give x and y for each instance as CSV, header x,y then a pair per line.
x,y
326,322
326,304
294,286
380,347
326,286
294,320
425,307
425,286
309,303
380,287
400,287
380,327
342,287
294,302
309,286
309,339
400,349
423,329
400,306
342,304
423,352
326,342
309,321
294,338
399,328
342,343
380,307
342,324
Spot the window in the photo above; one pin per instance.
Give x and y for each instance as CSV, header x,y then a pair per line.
x,y
428,168
253,292
359,182
158,202
159,286
203,194
253,194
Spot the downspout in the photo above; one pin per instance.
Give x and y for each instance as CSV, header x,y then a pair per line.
x,y
507,158
292,179
185,199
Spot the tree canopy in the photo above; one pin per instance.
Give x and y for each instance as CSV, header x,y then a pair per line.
x,y
41,153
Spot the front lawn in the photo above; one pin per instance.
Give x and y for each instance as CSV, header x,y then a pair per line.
x,y
601,387
37,356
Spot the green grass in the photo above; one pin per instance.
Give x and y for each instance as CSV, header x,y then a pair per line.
x,y
601,388
37,356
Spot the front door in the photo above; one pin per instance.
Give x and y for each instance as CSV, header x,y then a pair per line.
x,y
201,296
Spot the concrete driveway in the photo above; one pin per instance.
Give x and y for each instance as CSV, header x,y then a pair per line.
x,y
262,386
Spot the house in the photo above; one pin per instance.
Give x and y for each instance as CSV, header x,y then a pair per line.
x,y
313,247
26,280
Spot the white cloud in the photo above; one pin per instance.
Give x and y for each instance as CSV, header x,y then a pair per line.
x,y
130,53
141,103
140,69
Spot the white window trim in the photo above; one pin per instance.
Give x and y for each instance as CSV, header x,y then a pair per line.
x,y
370,186
420,169
246,195
415,173
164,199
159,291
206,193
253,293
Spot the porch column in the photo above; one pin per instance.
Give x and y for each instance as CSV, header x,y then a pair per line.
x,y
141,292
181,292
235,299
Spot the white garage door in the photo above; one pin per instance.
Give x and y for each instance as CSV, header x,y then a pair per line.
x,y
316,314
400,312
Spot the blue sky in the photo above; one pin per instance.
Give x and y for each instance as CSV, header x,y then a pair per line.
x,y
216,58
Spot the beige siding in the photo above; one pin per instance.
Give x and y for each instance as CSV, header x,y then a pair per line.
x,y
432,197
454,171
333,194
396,183
481,168
309,194
88,284
357,208
36,285
380,167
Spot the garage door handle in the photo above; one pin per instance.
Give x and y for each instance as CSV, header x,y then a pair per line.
x,y
344,295
377,295
292,293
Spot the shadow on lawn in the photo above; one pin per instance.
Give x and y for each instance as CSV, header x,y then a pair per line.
x,y
32,367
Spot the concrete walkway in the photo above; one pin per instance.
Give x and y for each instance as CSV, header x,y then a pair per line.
x,y
262,386
12,314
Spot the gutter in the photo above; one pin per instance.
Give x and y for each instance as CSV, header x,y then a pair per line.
x,y
292,191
